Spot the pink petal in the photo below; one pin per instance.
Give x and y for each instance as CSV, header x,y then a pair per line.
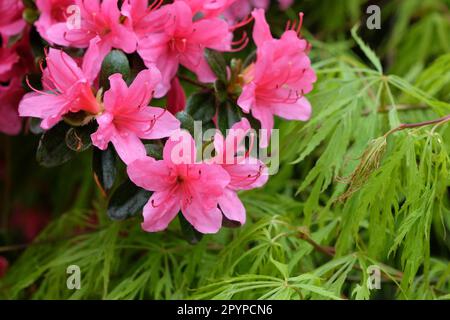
x,y
93,58
150,174
105,131
128,146
247,174
110,8
301,110
247,98
213,34
48,107
162,208
166,124
62,69
154,50
232,207
143,86
261,30
56,33
180,148
265,116
124,38
114,98
204,221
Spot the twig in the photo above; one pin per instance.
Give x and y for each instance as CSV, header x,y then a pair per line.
x,y
418,124
194,82
331,252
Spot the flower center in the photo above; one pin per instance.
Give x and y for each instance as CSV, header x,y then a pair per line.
x,y
178,44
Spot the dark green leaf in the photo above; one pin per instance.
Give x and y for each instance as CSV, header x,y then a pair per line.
x,y
35,126
217,63
127,200
189,233
220,89
228,115
52,149
104,166
187,122
79,138
115,62
201,106
154,150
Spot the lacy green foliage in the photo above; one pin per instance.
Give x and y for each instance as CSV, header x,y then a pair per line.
x,y
348,195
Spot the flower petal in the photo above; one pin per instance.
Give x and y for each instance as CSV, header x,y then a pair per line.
x,y
160,211
232,207
128,146
150,174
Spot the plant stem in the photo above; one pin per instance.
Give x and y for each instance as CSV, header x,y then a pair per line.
x,y
331,252
194,82
418,124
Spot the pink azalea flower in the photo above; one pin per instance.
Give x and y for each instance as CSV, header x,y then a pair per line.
x,y
176,98
277,82
67,88
182,41
180,184
10,96
51,13
11,22
245,171
127,119
99,30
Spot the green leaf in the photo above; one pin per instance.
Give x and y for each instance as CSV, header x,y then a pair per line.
x,y
367,50
187,122
127,200
115,62
35,126
104,166
52,149
79,138
228,115
220,89
217,63
201,106
154,150
189,233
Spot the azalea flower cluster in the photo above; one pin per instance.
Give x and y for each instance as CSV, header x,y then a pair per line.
x,y
166,37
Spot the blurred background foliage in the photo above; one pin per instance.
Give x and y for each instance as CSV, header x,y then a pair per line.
x,y
347,196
